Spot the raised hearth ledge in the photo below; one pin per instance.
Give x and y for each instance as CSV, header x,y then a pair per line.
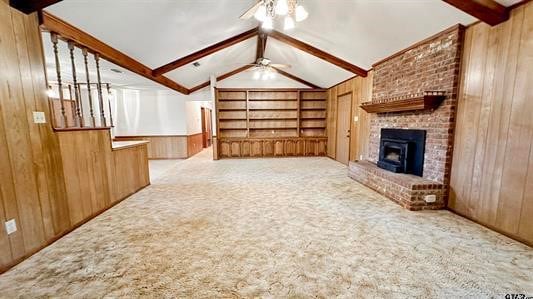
x,y
407,190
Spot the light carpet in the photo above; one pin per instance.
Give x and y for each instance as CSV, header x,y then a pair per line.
x,y
291,227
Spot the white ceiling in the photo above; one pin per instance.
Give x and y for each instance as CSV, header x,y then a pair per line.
x,y
219,63
126,79
362,32
304,65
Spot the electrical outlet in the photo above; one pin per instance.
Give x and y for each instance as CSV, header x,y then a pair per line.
x,y
38,117
11,226
430,198
361,158
355,119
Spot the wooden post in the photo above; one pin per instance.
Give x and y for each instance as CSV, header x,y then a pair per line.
x,y
103,121
54,39
77,101
109,102
91,106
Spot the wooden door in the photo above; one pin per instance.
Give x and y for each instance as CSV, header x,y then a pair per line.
x,y
344,104
206,127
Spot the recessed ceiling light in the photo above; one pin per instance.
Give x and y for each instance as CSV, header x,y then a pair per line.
x,y
116,71
196,64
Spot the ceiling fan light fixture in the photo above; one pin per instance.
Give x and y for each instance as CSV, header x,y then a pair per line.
x,y
289,23
282,7
257,75
300,13
261,13
267,24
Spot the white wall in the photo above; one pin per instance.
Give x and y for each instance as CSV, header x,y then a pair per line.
x,y
150,112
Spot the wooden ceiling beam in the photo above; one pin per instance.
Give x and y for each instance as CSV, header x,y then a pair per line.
x,y
66,31
31,6
295,78
222,77
261,45
206,51
488,11
317,53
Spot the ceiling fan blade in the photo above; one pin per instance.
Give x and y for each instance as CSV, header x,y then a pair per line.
x,y
280,66
250,12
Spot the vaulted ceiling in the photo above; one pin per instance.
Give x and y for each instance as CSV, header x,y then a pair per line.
x,y
360,32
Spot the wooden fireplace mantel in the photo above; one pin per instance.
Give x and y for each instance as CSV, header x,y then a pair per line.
x,y
426,100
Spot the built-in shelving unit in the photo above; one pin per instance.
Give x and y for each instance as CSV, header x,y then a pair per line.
x,y
270,115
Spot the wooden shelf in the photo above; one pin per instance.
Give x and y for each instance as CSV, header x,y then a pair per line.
x,y
272,109
428,100
271,113
274,118
277,100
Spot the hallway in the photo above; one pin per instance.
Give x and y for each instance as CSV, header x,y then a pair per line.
x,y
271,227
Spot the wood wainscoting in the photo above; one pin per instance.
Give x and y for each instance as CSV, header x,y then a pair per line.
x,y
359,90
195,144
492,168
272,147
169,146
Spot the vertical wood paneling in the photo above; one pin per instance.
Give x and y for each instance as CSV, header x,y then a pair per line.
x,y
331,122
361,90
491,170
32,179
17,134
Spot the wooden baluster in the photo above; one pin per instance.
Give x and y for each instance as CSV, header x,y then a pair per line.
x,y
54,39
91,106
77,113
80,101
103,121
109,103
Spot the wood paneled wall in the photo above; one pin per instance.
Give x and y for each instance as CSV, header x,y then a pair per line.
x,y
163,147
33,169
194,144
32,190
492,169
169,146
361,90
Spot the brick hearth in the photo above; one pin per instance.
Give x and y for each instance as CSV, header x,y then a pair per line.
x,y
430,65
405,189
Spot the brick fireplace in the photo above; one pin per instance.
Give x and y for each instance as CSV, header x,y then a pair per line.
x,y
431,65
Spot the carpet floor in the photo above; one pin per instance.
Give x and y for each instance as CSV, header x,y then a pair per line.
x,y
291,227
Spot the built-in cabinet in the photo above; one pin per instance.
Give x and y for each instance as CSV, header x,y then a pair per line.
x,y
270,122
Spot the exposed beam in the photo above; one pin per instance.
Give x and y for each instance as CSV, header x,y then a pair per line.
x,y
318,53
205,52
30,6
222,77
83,39
261,45
295,78
488,11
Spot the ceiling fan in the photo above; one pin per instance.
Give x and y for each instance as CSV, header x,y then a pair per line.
x,y
266,10
265,62
265,69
